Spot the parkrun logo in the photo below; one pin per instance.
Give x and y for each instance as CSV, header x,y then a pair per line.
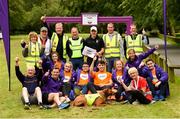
x,y
102,76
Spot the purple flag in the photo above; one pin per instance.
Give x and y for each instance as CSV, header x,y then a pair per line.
x,y
4,24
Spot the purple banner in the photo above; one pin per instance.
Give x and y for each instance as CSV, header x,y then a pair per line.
x,y
4,24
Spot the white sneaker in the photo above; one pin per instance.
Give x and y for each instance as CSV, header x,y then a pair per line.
x,y
135,102
67,100
153,101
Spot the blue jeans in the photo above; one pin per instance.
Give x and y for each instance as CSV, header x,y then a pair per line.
x,y
77,63
110,63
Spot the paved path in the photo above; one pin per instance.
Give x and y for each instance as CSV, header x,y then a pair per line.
x,y
173,52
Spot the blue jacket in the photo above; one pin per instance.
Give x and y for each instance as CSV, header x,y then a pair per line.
x,y
137,61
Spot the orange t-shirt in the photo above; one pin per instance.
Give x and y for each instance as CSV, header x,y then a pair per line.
x,y
101,78
58,65
84,78
155,80
140,84
67,76
118,74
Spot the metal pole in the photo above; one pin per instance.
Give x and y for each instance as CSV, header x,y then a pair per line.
x,y
165,42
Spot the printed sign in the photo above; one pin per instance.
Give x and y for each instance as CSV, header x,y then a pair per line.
x,y
89,52
89,19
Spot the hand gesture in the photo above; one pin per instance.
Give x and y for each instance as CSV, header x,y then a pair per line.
x,y
157,84
142,64
156,47
22,41
120,80
95,58
43,18
26,46
46,74
17,59
40,62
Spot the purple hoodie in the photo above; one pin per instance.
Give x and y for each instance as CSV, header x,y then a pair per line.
x,y
137,61
50,85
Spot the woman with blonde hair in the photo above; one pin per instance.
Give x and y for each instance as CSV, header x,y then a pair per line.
x,y
117,74
68,78
32,50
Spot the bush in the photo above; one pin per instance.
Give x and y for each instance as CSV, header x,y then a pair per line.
x,y
154,33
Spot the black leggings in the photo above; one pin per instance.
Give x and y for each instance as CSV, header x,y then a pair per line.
x,y
133,95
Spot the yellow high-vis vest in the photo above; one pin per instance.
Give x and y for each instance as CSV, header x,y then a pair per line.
x,y
55,41
76,46
136,44
112,47
33,54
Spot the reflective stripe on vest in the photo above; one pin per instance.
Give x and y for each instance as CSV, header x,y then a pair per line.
x,y
76,46
33,54
55,41
112,46
134,44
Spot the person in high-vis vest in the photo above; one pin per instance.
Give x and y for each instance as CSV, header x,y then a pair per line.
x,y
58,39
74,48
113,46
43,40
133,41
33,50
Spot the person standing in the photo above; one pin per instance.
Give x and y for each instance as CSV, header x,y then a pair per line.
x,y
113,46
74,48
145,38
133,41
94,42
45,41
58,39
32,50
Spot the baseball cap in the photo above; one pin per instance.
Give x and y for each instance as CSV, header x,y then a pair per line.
x,y
44,29
93,28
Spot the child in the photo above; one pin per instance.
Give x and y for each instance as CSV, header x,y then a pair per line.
x,y
102,79
83,82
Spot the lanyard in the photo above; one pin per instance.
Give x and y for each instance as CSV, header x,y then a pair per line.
x,y
136,83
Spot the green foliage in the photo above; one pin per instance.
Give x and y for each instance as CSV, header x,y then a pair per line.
x,y
25,14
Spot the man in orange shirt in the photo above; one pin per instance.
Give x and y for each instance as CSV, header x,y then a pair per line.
x,y
102,79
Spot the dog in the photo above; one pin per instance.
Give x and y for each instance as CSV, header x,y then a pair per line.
x,y
97,99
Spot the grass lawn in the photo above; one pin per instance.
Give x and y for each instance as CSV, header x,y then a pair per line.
x,y
11,106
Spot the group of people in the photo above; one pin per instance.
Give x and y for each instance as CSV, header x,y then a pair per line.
x,y
57,71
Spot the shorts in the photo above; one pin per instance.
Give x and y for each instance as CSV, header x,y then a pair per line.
x,y
45,99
